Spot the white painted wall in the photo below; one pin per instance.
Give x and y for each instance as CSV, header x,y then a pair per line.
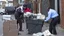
x,y
60,8
56,5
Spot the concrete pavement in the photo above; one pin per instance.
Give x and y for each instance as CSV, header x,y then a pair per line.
x,y
60,31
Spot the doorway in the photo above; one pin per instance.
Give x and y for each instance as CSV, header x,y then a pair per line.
x,y
55,4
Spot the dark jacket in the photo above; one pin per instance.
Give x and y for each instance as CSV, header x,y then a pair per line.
x,y
18,14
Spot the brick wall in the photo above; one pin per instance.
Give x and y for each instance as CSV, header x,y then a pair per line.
x,y
62,13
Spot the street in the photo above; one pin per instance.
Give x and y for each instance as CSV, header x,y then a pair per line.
x,y
1,26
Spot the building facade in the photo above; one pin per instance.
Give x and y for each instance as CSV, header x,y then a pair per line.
x,y
58,5
40,6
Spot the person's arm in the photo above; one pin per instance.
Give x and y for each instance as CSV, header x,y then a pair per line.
x,y
49,16
21,9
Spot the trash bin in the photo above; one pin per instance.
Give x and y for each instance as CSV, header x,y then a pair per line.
x,y
34,26
27,19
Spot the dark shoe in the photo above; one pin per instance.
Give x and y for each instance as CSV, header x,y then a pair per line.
x,y
21,30
30,33
55,33
42,35
19,33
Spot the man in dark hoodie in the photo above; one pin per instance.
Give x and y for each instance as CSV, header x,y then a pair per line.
x,y
19,16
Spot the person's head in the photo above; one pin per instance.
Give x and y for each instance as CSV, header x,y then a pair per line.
x,y
48,8
25,6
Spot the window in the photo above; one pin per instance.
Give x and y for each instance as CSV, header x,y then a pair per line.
x,y
21,1
0,5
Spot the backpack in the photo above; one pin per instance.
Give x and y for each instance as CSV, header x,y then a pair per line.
x,y
18,13
18,10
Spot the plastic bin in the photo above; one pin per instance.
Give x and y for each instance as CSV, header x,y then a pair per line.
x,y
34,26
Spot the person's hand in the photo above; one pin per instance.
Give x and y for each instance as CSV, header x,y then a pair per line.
x,y
45,21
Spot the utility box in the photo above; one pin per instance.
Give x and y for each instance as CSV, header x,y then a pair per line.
x,y
10,28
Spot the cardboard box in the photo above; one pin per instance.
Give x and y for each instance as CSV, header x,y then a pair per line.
x,y
10,28
13,33
13,25
5,27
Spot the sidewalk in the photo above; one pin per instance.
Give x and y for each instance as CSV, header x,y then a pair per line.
x,y
60,31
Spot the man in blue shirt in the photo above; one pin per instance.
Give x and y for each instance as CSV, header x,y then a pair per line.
x,y
52,14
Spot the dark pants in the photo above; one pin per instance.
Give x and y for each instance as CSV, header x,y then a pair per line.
x,y
20,24
19,17
52,26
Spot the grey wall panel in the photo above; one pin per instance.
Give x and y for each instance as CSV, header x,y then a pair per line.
x,y
52,4
45,5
